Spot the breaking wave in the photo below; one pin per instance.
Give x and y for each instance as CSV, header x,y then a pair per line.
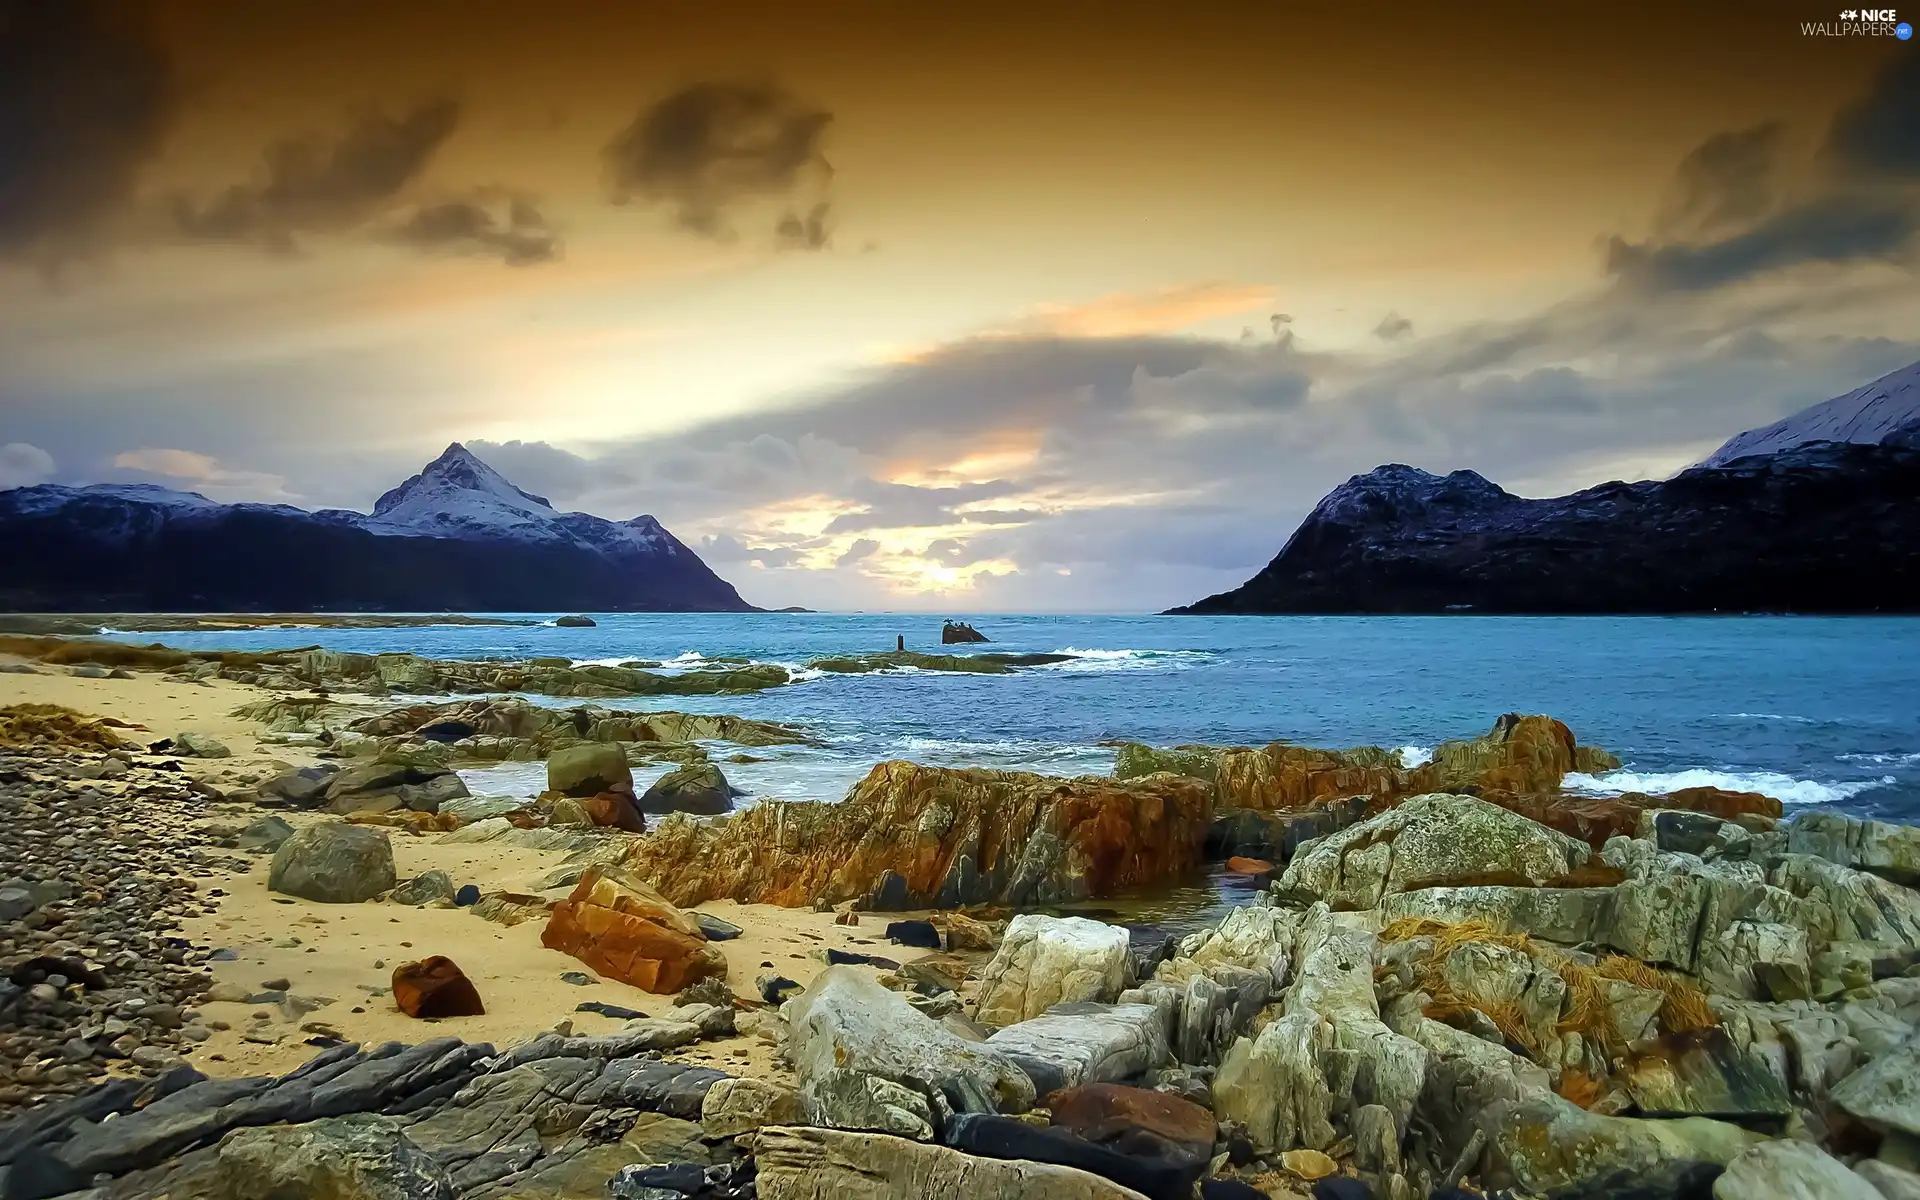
x,y
1784,788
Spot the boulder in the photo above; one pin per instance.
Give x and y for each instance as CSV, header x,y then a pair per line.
x,y
625,930
1889,851
435,987
394,780
302,787
199,745
575,622
734,1106
424,889
1566,915
1790,1170
589,768
910,836
838,1098
832,1164
1885,1092
697,788
848,1021
1072,1044
1286,778
1043,961
1550,1147
990,1136
957,632
354,1157
1519,754
264,833
1700,1073
610,810
1431,841
1892,1182
334,863
1137,1121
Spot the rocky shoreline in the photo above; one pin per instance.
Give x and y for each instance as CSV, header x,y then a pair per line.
x,y
1450,975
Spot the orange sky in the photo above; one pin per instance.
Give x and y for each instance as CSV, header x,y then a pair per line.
x,y
1362,187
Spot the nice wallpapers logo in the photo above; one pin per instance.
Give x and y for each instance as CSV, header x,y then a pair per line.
x,y
1860,22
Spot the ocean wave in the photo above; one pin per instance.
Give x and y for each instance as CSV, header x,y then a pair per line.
x,y
1784,788
1096,661
1787,717
1008,748
1881,760
1415,756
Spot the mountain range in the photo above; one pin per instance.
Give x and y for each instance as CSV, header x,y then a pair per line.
x,y
457,535
1819,512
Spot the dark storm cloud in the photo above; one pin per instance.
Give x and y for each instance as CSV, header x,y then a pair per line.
x,y
1727,180
511,229
861,549
1834,229
707,148
87,95
314,184
1880,133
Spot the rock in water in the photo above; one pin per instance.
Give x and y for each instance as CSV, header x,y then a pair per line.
x,y
625,930
848,1022
1790,1170
697,788
910,836
333,862
356,1157
575,622
1044,961
959,632
589,768
435,987
831,1164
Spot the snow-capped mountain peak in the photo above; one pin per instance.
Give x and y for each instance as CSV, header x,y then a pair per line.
x,y
1868,414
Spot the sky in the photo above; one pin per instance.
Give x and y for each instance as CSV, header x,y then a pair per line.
x,y
993,307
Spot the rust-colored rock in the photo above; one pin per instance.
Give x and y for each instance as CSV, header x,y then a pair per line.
x,y
623,929
435,987
910,836
1519,754
1595,819
615,810
1238,865
1286,778
1714,801
1135,1120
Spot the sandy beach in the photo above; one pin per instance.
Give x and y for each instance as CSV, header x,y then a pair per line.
x,y
338,959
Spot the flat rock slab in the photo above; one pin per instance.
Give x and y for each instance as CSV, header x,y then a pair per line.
x,y
832,1164
1074,1044
1700,1073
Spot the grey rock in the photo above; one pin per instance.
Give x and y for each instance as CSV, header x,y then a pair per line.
x,y
1551,1147
1886,1091
15,903
264,833
334,863
1790,1170
200,745
1072,1044
698,788
832,1164
589,768
356,1157
716,929
424,889
837,1098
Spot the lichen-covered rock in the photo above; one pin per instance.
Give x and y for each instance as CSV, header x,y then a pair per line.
x,y
1076,1043
589,768
734,1106
1889,851
1430,841
355,1157
623,929
1550,1147
910,836
1519,754
1043,961
832,1164
846,1021
1886,1091
334,863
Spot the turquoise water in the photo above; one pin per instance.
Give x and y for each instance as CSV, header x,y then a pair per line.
x,y
1812,710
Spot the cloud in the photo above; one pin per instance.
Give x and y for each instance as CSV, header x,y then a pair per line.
x,y
87,96
1834,230
708,148
313,184
864,548
1879,134
903,506
511,229
727,549
202,472
23,465
1169,310
1727,180
1393,327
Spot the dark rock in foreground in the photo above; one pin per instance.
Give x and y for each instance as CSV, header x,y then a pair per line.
x,y
1820,527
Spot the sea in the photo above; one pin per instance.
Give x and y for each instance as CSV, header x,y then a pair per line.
x,y
1815,711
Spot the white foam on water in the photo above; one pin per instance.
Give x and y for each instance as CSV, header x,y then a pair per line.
x,y
1787,717
1883,760
1094,662
1415,756
1784,788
